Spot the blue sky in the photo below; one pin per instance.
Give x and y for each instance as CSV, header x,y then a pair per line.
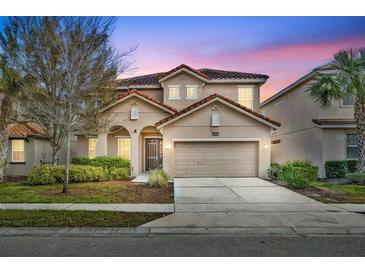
x,y
285,48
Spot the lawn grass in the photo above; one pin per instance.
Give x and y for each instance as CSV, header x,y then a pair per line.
x,y
335,193
99,192
63,218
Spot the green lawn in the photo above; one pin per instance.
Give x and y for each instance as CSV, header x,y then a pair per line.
x,y
55,218
335,193
103,192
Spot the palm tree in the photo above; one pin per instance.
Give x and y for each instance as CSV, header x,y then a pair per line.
x,y
9,86
346,79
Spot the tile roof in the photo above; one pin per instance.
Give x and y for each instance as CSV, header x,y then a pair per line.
x,y
210,98
209,74
24,130
149,98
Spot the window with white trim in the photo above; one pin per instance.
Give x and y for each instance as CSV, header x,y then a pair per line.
x,y
351,146
174,92
17,150
245,96
191,92
124,148
92,147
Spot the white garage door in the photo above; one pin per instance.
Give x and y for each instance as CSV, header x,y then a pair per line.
x,y
207,159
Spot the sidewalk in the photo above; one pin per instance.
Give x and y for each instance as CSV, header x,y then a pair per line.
x,y
156,231
158,208
359,208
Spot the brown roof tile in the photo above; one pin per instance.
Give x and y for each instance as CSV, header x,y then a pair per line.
x,y
209,98
140,93
24,130
207,73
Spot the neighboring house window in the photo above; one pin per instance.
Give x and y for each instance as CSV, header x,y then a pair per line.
x,y
124,148
351,147
191,92
245,96
17,151
174,92
348,101
92,147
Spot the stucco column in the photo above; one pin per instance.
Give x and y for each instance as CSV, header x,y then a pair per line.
x,y
134,153
101,148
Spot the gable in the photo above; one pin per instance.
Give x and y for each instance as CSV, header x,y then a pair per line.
x,y
219,99
228,117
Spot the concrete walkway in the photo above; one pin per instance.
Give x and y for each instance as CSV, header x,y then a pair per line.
x,y
360,208
249,203
161,208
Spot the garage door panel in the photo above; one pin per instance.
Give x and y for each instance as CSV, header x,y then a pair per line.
x,y
216,159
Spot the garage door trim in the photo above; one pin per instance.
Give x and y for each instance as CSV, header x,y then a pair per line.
x,y
216,140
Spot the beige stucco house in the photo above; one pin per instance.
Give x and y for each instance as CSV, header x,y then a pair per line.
x,y
309,132
191,122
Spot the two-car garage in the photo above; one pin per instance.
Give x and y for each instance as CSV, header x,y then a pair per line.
x,y
216,158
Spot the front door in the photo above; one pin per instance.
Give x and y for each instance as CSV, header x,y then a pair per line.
x,y
153,153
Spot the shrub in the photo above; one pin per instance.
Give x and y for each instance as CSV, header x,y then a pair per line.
x,y
338,169
356,177
119,173
49,174
103,161
352,166
299,174
158,177
274,171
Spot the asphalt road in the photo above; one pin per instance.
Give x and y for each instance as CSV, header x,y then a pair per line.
x,y
175,245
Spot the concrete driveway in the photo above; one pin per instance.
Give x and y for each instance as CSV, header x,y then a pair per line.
x,y
248,202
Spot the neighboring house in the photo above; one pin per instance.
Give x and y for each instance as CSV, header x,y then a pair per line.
x,y
27,147
309,132
191,122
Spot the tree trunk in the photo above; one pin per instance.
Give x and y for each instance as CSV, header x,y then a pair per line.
x,y
359,115
67,164
55,156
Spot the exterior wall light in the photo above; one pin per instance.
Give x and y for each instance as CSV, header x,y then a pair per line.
x,y
266,146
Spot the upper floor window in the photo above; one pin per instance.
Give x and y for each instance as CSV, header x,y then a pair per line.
x,y
191,92
348,101
92,147
174,92
245,96
17,151
351,146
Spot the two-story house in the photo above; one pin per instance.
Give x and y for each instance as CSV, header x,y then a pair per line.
x,y
191,122
309,132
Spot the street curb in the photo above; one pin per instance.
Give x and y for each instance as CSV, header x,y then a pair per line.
x,y
197,231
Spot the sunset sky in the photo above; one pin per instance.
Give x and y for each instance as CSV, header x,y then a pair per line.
x,y
285,48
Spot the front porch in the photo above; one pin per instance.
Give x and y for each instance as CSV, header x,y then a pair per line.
x,y
143,147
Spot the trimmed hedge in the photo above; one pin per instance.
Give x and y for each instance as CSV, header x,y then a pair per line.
x,y
119,173
49,174
158,177
298,174
356,177
339,169
103,161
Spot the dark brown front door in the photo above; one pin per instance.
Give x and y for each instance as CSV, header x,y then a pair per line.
x,y
153,153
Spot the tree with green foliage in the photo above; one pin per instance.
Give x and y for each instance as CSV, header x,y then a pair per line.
x,y
70,67
345,79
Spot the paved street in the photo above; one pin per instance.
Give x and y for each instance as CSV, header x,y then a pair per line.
x,y
170,245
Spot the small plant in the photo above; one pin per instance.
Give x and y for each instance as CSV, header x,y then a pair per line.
x,y
274,171
299,174
158,177
356,177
